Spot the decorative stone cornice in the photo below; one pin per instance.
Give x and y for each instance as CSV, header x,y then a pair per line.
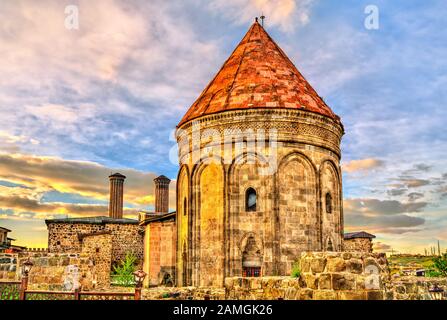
x,y
291,126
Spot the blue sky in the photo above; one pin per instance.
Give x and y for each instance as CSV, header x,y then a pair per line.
x,y
79,104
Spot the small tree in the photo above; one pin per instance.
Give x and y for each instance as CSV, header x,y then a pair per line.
x,y
124,271
440,264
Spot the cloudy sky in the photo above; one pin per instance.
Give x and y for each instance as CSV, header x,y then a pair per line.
x,y
76,105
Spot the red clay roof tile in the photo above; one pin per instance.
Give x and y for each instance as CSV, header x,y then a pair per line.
x,y
258,74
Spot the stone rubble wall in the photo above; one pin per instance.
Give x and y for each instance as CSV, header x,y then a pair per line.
x,y
358,245
64,237
324,276
414,288
183,293
57,271
99,249
126,238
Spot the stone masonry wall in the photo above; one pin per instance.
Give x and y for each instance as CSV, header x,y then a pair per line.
x,y
324,276
59,271
99,248
161,237
358,245
414,288
126,238
64,237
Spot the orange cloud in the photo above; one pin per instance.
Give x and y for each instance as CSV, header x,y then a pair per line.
x,y
362,165
381,247
36,175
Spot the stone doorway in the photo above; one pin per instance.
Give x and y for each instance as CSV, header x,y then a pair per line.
x,y
251,259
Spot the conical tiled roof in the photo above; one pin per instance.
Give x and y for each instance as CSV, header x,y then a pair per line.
x,y
258,74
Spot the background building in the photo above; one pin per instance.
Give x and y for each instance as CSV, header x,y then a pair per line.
x,y
358,241
6,242
160,238
70,234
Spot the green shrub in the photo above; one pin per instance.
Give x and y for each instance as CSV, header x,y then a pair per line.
x,y
440,265
123,273
296,272
430,273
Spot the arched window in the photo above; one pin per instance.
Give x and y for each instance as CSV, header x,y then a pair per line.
x,y
250,200
328,203
184,207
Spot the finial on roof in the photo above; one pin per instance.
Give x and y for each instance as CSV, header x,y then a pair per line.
x,y
256,19
262,19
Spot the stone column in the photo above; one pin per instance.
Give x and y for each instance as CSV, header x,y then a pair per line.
x,y
116,195
162,194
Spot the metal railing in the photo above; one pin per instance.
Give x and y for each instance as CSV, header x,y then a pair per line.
x,y
18,290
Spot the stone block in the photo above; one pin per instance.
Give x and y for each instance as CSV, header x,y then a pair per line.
x,y
302,281
324,295
311,281
355,266
325,281
255,283
346,255
65,261
400,289
342,281
336,265
305,294
290,293
411,288
53,261
375,295
43,262
229,282
351,295
317,265
305,264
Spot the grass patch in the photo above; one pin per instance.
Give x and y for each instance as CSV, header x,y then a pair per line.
x,y
296,271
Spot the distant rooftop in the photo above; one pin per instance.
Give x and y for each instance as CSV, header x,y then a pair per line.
x,y
92,220
149,216
118,175
4,229
360,234
162,178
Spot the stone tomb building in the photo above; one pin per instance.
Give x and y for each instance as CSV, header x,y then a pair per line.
x,y
259,180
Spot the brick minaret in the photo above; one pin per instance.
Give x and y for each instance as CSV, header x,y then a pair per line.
x,y
116,195
162,194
